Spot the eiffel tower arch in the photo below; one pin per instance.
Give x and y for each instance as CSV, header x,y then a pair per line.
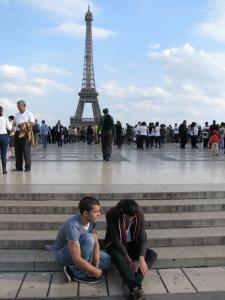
x,y
88,93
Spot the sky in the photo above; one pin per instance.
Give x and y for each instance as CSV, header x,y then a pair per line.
x,y
154,60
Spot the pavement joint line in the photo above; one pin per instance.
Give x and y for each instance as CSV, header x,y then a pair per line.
x,y
160,277
49,285
22,281
190,281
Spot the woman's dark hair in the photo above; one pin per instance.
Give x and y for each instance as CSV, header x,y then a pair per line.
x,y
87,203
1,111
129,207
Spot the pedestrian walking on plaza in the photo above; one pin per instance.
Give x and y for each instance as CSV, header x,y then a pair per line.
x,y
183,134
59,133
36,131
44,131
90,133
107,128
119,134
77,247
5,126
157,135
214,143
12,138
205,135
126,241
24,120
194,135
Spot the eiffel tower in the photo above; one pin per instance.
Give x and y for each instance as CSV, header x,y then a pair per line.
x,y
88,93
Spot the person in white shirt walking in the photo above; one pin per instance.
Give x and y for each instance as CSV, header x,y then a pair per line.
x,y
4,139
22,144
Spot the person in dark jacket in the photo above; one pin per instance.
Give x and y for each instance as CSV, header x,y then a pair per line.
x,y
107,128
119,134
183,134
126,241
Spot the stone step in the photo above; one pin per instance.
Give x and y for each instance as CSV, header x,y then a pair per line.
x,y
105,192
25,260
153,220
149,206
157,237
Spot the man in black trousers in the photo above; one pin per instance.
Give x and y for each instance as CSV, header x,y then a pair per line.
x,y
107,128
22,144
126,241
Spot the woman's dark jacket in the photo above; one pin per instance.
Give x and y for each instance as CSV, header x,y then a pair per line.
x,y
116,234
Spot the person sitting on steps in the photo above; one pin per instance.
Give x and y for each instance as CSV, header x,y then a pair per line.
x,y
77,247
126,241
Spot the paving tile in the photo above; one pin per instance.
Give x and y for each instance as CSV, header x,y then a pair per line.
x,y
35,285
10,284
175,281
93,290
152,284
114,283
60,288
207,279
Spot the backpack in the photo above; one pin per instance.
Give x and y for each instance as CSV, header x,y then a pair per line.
x,y
36,128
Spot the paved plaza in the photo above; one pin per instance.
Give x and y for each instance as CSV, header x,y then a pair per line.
x,y
181,191
129,166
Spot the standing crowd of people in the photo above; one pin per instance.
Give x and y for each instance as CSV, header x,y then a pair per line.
x,y
22,131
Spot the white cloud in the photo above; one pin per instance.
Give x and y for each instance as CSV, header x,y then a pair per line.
x,y
154,46
66,9
71,14
113,89
78,30
8,105
50,84
214,26
41,68
10,71
195,79
18,81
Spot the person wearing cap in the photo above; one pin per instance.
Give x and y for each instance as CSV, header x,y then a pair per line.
x,y
22,145
107,128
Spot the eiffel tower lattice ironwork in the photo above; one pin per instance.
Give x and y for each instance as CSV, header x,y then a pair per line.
x,y
88,93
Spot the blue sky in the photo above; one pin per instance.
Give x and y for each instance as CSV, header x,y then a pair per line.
x,y
155,60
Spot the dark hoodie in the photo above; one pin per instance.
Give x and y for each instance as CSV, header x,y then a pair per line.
x,y
116,234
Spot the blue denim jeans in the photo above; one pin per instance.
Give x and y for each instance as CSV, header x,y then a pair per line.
x,y
44,139
4,140
86,245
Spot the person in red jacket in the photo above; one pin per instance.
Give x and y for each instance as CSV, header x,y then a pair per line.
x,y
214,142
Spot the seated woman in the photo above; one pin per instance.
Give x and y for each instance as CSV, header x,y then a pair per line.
x,y
126,241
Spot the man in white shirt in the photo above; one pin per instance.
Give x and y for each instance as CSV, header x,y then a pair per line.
x,y
22,145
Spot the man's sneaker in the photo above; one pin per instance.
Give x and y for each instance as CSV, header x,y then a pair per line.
x,y
139,294
89,280
68,274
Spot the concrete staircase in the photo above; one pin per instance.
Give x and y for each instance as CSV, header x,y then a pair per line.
x,y
186,229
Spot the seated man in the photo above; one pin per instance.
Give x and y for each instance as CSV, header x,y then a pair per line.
x,y
77,246
126,241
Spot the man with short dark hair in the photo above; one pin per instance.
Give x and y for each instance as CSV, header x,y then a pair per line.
x,y
126,241
77,247
183,134
107,128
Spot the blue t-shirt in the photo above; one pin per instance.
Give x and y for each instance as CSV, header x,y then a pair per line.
x,y
71,230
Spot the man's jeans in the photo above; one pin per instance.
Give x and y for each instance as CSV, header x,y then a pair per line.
x,y
86,245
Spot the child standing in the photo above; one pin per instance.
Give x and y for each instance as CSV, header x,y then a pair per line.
x,y
214,141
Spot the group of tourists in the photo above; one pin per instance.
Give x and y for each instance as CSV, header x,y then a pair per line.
x,y
77,247
22,131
